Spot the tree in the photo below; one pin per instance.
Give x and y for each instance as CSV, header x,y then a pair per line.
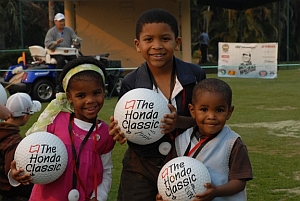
x,y
10,22
34,22
51,13
257,25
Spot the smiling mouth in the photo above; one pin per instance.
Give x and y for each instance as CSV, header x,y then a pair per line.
x,y
91,108
208,124
157,55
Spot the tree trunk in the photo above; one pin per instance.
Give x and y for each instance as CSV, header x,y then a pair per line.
x,y
51,13
2,41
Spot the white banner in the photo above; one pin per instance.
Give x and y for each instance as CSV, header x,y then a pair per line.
x,y
248,60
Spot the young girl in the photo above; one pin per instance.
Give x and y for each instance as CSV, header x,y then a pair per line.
x,y
72,116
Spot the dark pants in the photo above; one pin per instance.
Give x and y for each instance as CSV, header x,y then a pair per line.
x,y
139,177
14,198
19,193
60,59
203,49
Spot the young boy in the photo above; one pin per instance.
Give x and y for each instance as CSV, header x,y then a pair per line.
x,y
21,106
212,142
156,39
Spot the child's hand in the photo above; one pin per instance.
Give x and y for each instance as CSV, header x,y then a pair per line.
x,y
159,197
18,174
114,130
208,195
169,120
5,112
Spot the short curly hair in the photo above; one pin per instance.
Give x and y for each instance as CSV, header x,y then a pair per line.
x,y
156,15
212,85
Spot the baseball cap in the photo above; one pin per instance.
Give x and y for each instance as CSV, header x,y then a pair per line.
x,y
59,16
20,104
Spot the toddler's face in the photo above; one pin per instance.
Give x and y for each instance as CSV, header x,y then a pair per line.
x,y
157,44
210,112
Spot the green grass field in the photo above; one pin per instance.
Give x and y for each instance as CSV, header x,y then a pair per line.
x,y
267,116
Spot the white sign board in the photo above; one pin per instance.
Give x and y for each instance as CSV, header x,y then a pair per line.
x,y
248,60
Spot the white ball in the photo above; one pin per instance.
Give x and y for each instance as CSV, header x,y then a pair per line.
x,y
43,155
164,148
139,113
181,178
73,195
3,95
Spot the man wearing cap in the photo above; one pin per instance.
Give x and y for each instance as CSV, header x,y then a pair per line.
x,y
21,106
60,36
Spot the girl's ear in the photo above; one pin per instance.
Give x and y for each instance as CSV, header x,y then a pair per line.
x,y
69,97
137,45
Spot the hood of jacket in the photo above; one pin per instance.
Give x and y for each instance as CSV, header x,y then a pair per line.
x,y
7,129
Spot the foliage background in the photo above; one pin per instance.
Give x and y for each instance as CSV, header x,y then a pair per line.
x,y
266,23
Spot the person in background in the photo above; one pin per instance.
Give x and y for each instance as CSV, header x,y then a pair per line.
x,y
204,42
213,143
21,107
60,36
156,39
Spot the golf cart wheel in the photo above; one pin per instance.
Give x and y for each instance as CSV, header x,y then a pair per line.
x,y
43,91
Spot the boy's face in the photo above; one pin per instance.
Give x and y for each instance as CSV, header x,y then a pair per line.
x,y
210,112
87,98
157,44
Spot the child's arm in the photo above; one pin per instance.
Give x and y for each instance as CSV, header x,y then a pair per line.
x,y
104,188
16,177
230,188
173,120
114,130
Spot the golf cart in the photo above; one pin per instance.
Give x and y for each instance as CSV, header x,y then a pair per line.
x,y
37,78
